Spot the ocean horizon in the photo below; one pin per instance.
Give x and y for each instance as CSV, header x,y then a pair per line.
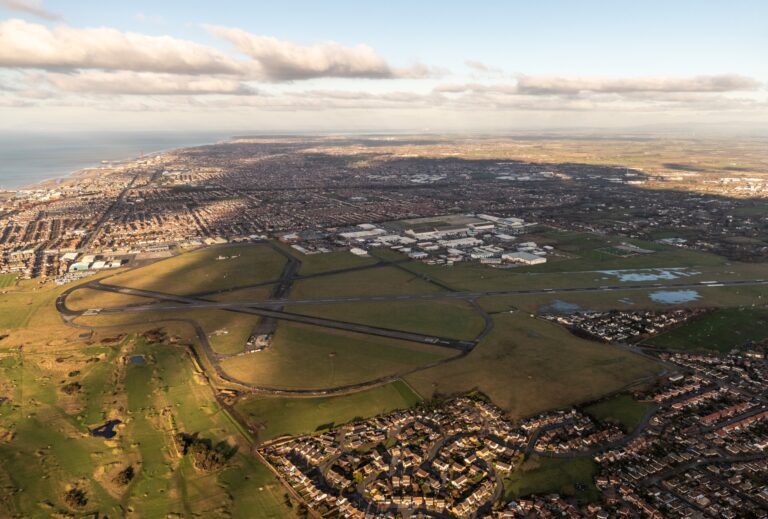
x,y
27,158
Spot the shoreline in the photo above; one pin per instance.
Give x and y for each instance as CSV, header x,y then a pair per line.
x,y
73,175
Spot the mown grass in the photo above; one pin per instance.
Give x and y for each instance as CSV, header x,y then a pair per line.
x,y
7,280
380,281
309,357
201,271
276,416
455,319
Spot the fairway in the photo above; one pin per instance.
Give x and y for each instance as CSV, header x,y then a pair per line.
x,y
308,357
454,319
275,416
527,365
208,269
622,409
720,330
569,477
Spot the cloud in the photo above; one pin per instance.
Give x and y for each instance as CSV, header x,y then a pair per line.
x,y
31,45
278,60
144,83
537,85
32,7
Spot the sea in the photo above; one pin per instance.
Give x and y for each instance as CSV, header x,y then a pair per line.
x,y
27,158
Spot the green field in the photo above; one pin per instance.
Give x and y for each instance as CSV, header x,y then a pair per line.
x,y
308,357
7,280
720,330
527,365
328,261
276,416
201,271
380,281
452,318
622,409
542,476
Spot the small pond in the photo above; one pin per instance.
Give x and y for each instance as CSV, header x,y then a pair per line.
x,y
107,430
137,359
674,297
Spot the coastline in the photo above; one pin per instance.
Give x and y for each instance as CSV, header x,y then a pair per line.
x,y
96,165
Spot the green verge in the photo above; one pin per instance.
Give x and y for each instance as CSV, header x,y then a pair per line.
x,y
622,409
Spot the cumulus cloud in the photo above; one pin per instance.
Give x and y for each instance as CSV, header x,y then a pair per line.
x,y
32,7
536,85
278,60
144,83
31,45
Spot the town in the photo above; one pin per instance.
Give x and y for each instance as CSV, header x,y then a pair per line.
x,y
319,190
699,451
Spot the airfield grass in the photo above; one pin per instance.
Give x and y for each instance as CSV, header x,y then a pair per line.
x,y
380,281
227,332
85,298
308,357
51,447
527,365
541,476
720,330
200,271
7,280
329,261
451,318
243,294
277,416
621,408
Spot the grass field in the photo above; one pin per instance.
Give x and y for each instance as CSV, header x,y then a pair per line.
x,y
316,263
553,475
308,357
276,416
720,330
455,319
51,448
7,280
86,298
622,409
527,365
380,281
200,271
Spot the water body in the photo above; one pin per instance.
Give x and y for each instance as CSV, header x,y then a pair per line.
x,y
559,307
649,274
107,430
137,359
674,297
31,157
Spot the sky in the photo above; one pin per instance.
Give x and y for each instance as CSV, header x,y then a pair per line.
x,y
391,66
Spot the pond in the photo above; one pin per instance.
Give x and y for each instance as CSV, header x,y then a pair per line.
x,y
649,274
107,430
674,297
559,307
137,359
